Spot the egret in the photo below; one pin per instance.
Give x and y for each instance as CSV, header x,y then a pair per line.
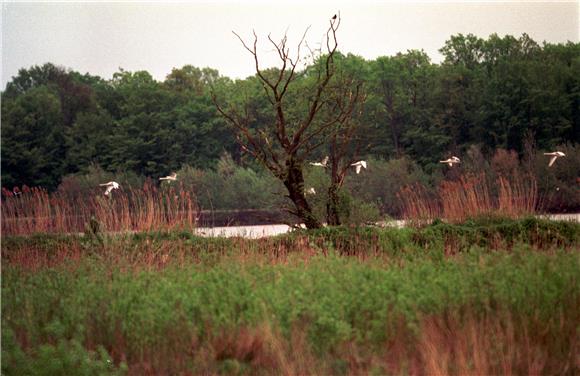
x,y
110,186
170,178
555,156
323,163
451,161
311,191
359,165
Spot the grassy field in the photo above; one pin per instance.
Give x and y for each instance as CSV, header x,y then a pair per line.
x,y
488,296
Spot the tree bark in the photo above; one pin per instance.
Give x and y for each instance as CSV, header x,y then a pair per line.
x,y
332,215
294,182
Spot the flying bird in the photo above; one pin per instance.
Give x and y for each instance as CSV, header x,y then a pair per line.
x,y
359,165
311,191
110,186
555,156
170,178
451,161
323,163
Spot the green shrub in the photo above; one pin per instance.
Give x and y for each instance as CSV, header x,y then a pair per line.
x,y
66,357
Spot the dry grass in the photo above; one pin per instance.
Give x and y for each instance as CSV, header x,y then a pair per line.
x,y
418,203
447,344
472,196
144,209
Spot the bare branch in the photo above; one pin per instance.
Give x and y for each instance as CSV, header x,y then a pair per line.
x,y
241,124
314,107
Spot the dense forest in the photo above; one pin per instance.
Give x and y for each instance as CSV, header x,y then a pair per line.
x,y
505,94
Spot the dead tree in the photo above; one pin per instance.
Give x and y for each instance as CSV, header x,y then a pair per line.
x,y
344,147
283,145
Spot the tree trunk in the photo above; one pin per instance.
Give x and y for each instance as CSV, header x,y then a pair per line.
x,y
332,217
294,182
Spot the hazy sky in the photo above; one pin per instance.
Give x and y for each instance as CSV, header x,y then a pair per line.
x,y
100,37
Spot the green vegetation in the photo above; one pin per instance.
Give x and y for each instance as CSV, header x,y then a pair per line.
x,y
335,300
488,96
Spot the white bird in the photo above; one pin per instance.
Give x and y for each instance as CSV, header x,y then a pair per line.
x,y
451,161
110,186
555,156
323,163
358,165
311,191
170,178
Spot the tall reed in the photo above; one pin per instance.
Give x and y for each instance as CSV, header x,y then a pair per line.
x,y
470,196
147,208
418,203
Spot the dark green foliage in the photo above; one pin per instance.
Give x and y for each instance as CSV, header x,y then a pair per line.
x,y
66,357
33,140
488,94
484,232
497,232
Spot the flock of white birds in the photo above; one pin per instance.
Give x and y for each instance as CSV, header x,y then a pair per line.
x,y
453,160
357,165
114,185
324,163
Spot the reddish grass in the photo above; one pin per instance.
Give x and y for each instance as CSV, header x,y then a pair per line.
x,y
418,203
499,344
471,196
144,209
445,344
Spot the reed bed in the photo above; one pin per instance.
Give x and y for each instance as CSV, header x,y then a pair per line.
x,y
35,210
471,196
419,203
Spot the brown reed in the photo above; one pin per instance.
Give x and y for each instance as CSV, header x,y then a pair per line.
x,y
472,196
148,208
467,197
418,203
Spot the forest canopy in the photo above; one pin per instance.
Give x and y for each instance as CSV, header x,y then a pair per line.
x,y
494,93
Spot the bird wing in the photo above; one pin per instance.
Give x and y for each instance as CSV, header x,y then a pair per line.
x,y
106,184
325,160
357,168
450,164
549,153
552,160
364,164
109,189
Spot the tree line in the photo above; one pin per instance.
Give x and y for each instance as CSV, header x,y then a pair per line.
x,y
499,92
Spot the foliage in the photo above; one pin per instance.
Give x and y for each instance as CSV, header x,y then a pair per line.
x,y
232,187
488,94
172,302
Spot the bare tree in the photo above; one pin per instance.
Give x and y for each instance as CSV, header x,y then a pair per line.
x,y
344,147
283,145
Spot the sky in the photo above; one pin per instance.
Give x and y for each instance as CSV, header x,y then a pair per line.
x,y
101,37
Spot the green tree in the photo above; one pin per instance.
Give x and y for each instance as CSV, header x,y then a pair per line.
x,y
33,139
